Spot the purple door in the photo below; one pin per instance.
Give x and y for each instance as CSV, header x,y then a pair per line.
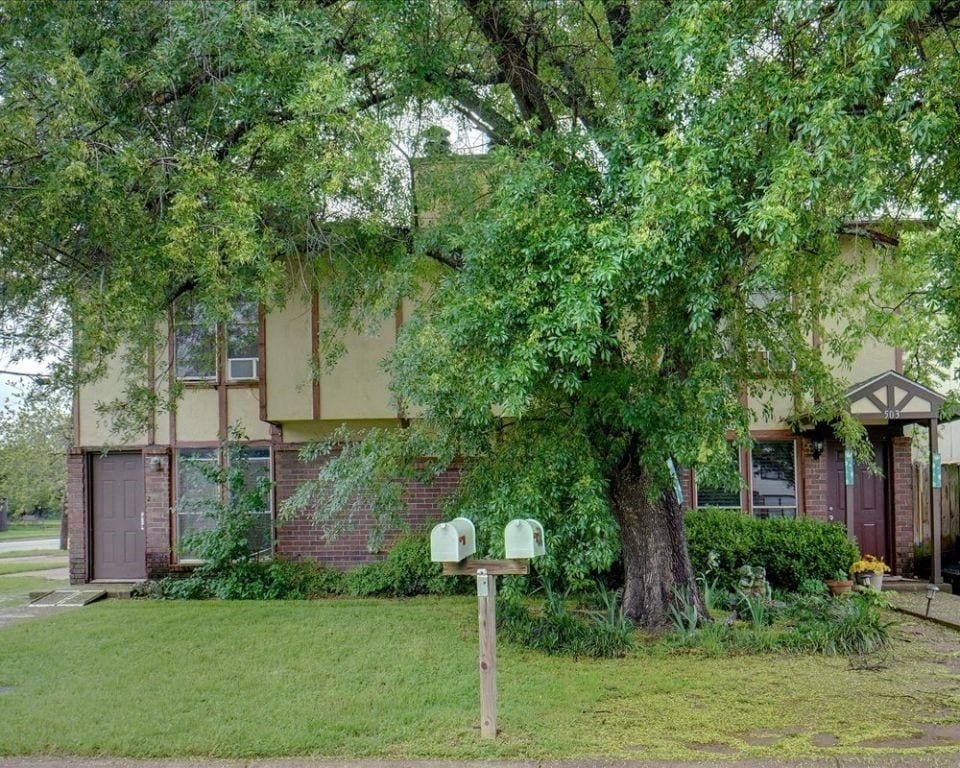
x,y
119,540
869,497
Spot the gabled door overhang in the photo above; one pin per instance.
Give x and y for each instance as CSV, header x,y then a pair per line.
x,y
890,397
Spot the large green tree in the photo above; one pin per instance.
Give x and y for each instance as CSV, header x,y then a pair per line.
x,y
34,437
662,196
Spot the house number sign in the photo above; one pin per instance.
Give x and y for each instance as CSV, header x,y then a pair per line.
x,y
848,466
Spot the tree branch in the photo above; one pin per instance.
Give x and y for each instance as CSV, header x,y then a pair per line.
x,y
513,61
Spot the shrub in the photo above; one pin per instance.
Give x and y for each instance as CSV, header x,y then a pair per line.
x,y
302,579
556,630
406,571
850,626
790,550
227,568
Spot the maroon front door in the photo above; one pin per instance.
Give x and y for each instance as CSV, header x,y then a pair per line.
x,y
869,497
119,539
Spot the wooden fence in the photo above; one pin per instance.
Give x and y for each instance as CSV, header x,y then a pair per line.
x,y
950,495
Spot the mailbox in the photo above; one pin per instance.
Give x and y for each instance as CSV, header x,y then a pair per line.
x,y
523,539
453,541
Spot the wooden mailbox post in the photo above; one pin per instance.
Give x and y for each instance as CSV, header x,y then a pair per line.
x,y
486,571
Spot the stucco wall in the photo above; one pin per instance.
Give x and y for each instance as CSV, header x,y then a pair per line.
x,y
288,350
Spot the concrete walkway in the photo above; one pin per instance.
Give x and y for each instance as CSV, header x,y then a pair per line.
x,y
877,761
944,608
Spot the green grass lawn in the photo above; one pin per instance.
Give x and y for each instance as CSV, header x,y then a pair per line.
x,y
399,679
31,553
19,530
18,566
15,590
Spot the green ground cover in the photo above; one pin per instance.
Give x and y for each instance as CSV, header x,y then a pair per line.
x,y
20,530
19,566
397,678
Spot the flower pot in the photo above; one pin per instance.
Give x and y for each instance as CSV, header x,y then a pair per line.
x,y
876,580
838,587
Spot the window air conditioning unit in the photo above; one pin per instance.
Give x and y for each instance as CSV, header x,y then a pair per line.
x,y
239,368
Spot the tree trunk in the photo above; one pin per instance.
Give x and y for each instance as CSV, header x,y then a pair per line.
x,y
655,558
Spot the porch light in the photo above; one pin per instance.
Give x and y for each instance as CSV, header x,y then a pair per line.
x,y
817,449
932,590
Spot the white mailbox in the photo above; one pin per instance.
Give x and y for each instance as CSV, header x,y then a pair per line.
x,y
523,539
453,541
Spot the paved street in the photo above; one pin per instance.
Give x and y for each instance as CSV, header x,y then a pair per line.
x,y
21,545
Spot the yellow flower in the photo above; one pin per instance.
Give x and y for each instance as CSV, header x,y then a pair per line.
x,y
869,564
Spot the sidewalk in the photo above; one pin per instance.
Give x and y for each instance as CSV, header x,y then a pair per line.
x,y
944,608
23,545
842,761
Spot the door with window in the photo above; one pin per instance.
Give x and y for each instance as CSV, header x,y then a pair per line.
x,y
869,496
119,529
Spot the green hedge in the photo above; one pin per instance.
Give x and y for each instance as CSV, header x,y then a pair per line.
x,y
790,550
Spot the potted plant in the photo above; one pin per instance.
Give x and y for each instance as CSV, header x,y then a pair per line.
x,y
839,584
870,570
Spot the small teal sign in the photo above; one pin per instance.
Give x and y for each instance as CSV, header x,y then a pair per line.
x,y
936,471
848,466
676,481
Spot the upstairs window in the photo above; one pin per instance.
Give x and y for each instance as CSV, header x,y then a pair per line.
x,y
197,350
243,355
774,479
194,343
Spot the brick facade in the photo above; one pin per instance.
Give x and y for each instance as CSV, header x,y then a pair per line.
x,y
903,505
157,488
78,529
814,481
300,538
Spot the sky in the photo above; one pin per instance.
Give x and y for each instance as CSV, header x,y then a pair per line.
x,y
8,384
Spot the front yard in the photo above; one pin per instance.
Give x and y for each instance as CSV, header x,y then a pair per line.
x,y
30,530
398,678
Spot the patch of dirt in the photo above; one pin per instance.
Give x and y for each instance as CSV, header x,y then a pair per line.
x,y
714,748
931,735
767,738
824,740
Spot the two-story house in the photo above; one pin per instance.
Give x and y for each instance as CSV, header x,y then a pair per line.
x,y
256,372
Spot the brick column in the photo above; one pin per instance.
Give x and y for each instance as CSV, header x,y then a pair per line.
x,y
76,508
156,487
814,481
902,505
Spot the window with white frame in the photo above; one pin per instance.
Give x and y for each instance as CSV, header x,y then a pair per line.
x,y
256,470
194,343
709,495
198,488
243,355
196,349
773,480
